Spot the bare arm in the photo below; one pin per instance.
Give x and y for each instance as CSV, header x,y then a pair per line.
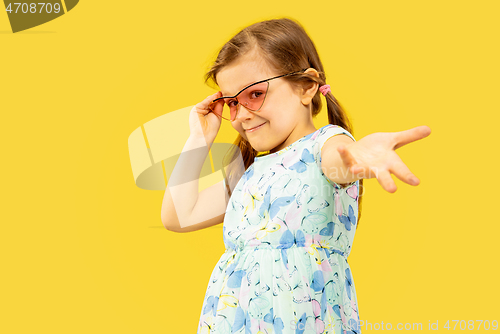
x,y
209,204
183,208
331,162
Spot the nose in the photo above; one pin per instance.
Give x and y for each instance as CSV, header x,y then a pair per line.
x,y
242,113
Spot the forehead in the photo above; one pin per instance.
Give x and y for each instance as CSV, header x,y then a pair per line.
x,y
242,72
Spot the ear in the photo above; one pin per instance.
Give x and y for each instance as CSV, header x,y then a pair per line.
x,y
310,91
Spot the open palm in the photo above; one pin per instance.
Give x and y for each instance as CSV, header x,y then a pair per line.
x,y
375,156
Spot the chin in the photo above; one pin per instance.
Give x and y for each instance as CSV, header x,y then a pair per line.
x,y
261,148
254,146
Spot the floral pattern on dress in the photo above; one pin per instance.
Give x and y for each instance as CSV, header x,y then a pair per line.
x,y
288,231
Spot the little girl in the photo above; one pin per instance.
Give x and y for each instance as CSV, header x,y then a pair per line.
x,y
290,214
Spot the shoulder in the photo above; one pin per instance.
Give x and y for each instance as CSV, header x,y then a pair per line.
x,y
330,161
331,135
333,142
330,157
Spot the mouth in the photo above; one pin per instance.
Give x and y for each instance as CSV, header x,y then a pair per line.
x,y
255,128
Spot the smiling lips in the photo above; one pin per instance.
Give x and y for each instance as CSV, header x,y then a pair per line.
x,y
255,128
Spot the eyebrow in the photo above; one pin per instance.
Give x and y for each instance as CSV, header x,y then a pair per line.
x,y
239,90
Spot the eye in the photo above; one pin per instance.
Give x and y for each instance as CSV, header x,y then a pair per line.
x,y
232,103
256,94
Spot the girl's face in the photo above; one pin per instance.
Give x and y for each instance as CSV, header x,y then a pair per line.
x,y
282,119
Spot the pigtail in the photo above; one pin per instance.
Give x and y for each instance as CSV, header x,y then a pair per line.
x,y
233,163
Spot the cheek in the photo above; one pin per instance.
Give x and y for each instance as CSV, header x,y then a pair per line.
x,y
240,130
242,134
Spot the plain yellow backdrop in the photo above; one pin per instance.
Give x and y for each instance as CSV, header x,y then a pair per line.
x,y
83,248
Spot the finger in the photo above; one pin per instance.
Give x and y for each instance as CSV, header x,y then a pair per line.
x,y
408,136
218,105
346,156
403,173
205,106
209,99
364,172
386,181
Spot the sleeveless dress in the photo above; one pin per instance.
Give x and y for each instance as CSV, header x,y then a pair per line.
x,y
288,231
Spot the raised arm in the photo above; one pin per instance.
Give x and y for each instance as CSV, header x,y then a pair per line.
x,y
183,208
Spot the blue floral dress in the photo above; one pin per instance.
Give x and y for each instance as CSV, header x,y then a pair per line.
x,y
288,231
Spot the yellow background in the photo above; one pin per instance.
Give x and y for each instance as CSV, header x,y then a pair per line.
x,y
83,248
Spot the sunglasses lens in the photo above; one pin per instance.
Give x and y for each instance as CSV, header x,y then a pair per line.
x,y
229,106
213,106
253,97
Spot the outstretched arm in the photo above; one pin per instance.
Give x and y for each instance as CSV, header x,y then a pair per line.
x,y
345,161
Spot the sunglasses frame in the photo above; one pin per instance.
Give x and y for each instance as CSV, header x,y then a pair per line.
x,y
255,83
